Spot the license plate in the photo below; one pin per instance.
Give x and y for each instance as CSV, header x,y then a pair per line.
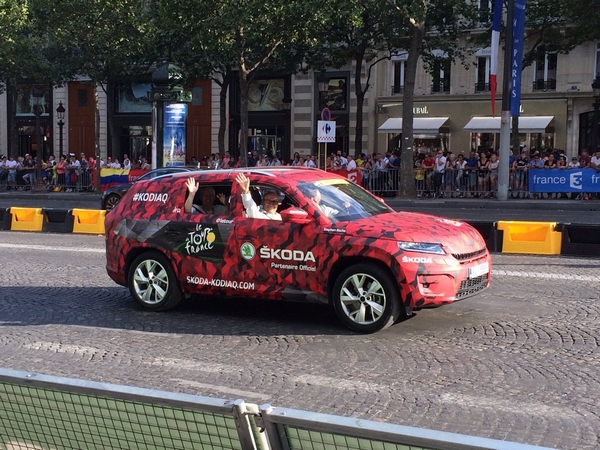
x,y
478,270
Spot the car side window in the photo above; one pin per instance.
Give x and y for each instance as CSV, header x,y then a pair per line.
x,y
258,191
210,199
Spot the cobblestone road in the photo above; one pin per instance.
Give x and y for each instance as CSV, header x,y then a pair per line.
x,y
519,362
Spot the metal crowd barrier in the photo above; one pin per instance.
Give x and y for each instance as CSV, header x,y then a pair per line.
x,y
84,182
41,411
455,183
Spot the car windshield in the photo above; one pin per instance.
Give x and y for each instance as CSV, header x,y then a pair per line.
x,y
342,200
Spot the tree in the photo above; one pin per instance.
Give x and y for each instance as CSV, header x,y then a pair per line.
x,y
428,25
105,41
248,36
356,31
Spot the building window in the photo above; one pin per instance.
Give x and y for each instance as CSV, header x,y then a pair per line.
x,y
597,60
441,76
482,84
398,86
82,98
484,11
545,72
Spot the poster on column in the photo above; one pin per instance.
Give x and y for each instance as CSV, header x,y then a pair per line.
x,y
174,145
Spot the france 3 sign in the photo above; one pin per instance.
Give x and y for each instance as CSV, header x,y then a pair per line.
x,y
564,180
326,131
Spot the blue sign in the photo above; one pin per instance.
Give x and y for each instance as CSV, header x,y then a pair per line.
x,y
174,145
517,57
564,180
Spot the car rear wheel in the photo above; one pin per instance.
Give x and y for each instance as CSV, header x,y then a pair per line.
x,y
365,298
111,201
152,282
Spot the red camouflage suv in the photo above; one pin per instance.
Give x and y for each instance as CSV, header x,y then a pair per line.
x,y
351,250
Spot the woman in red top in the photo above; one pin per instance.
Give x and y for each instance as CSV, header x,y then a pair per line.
x,y
61,170
428,165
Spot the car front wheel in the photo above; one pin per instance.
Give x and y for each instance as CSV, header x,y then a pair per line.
x,y
365,298
152,282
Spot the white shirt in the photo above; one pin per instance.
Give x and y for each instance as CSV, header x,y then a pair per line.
x,y
351,165
310,163
254,212
440,164
11,164
595,161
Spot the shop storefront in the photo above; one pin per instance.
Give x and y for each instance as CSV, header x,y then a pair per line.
x,y
470,126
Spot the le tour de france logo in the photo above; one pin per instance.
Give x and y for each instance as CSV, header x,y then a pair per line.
x,y
200,240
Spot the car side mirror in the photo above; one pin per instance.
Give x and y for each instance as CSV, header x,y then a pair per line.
x,y
295,215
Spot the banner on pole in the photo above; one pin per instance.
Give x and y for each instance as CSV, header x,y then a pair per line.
x,y
326,131
517,57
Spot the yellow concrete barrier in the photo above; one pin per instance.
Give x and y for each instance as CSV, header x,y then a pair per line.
x,y
89,221
26,219
537,238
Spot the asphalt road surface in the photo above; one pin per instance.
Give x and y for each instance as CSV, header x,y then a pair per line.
x,y
518,362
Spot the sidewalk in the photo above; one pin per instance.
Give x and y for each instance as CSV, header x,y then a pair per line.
x,y
543,210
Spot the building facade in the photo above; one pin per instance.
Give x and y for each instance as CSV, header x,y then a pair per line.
x,y
452,110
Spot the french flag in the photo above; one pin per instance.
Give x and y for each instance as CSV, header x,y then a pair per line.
x,y
497,21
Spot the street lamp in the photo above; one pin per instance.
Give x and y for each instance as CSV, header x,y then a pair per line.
x,y
60,115
596,91
38,109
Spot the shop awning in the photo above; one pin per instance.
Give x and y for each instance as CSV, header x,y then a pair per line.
x,y
527,124
421,125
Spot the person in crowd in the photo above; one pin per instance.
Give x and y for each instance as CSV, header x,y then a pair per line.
x,y
11,165
343,158
310,163
419,178
550,163
494,167
483,175
438,175
450,175
471,173
225,160
262,162
74,174
253,158
3,171
574,163
207,196
351,164
519,169
270,201
296,160
61,171
338,163
428,165
562,162
275,162
29,170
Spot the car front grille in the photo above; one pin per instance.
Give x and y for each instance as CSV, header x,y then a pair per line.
x,y
469,256
471,286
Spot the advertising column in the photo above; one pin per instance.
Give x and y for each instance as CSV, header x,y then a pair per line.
x,y
174,137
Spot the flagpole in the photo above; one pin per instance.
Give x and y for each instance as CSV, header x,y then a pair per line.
x,y
503,169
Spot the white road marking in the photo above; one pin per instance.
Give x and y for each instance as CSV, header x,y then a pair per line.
x,y
336,383
52,248
546,276
224,389
472,402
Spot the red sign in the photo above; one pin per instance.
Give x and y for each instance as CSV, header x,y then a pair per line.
x,y
325,114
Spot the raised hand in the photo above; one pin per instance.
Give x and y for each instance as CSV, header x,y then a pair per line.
x,y
192,185
243,181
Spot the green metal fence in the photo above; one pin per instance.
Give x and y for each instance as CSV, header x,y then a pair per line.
x,y
45,412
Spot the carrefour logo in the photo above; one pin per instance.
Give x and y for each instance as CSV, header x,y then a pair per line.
x,y
248,251
576,180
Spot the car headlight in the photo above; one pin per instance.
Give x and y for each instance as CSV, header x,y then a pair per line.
x,y
421,247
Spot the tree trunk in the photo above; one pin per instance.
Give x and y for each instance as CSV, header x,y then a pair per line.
x,y
223,122
514,138
360,101
115,142
243,117
407,184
